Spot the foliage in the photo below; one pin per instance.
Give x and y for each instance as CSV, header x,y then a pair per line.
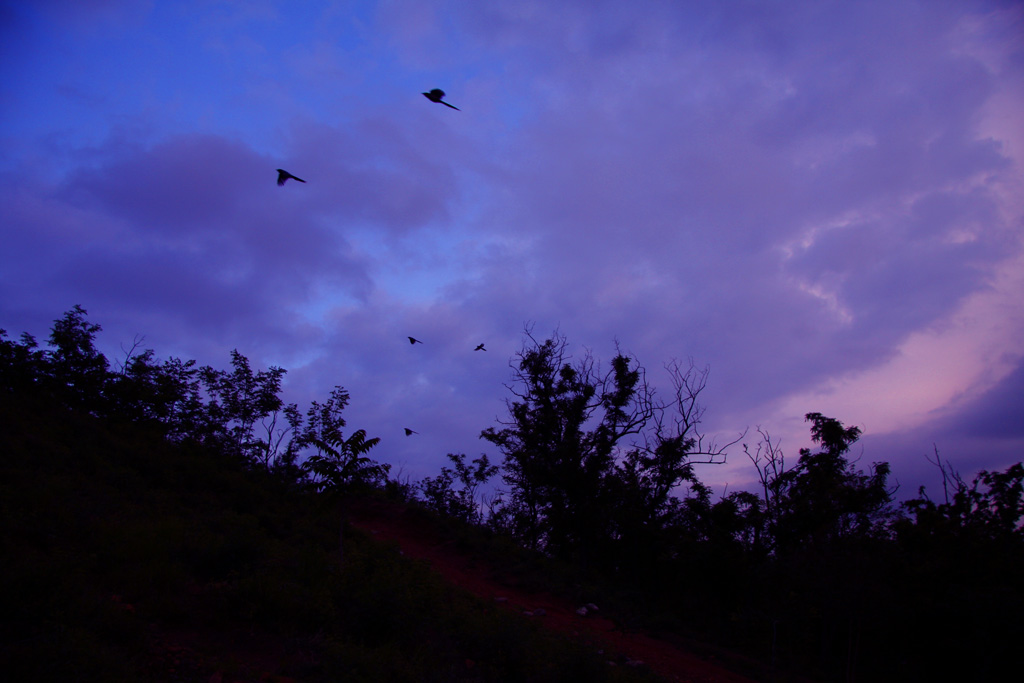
x,y
590,458
133,551
239,400
991,507
823,499
237,412
440,495
185,492
340,465
73,362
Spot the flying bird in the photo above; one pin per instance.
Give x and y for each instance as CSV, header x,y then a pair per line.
x,y
409,432
414,340
283,175
436,95
479,347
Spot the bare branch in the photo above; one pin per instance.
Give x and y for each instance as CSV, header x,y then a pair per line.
x,y
129,353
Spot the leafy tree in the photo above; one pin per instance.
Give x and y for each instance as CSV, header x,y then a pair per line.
x,y
990,508
441,496
165,395
76,367
179,394
823,498
239,400
324,421
591,458
554,465
339,467
647,478
21,364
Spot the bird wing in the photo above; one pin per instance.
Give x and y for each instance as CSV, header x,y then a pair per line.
x,y
283,175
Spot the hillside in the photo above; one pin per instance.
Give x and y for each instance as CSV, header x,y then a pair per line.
x,y
464,564
171,522
127,558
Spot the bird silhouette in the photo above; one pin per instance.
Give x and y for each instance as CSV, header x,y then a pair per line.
x,y
436,95
409,432
414,340
479,347
283,175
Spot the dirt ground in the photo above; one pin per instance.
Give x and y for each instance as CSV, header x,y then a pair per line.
x,y
417,540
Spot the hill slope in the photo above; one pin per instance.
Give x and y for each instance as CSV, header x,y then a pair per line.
x,y
420,537
126,558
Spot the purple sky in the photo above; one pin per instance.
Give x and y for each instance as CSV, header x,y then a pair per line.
x,y
823,202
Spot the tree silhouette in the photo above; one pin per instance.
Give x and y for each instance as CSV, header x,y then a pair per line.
x,y
441,496
339,467
240,399
823,498
592,457
76,366
990,508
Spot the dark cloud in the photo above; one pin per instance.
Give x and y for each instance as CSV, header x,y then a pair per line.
x,y
996,414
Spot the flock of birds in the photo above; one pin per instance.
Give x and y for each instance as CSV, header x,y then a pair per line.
x,y
435,95
413,341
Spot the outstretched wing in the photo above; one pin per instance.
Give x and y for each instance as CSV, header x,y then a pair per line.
x,y
283,175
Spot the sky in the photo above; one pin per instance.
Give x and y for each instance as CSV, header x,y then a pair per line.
x,y
820,202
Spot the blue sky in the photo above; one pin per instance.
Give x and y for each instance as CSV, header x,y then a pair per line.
x,y
819,201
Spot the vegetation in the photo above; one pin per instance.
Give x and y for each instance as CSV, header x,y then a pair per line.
x,y
148,511
158,523
823,574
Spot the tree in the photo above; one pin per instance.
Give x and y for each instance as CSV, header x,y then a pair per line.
x,y
240,399
441,496
591,457
339,467
555,467
77,368
990,508
665,458
22,364
823,499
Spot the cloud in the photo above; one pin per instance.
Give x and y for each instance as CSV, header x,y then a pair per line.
x,y
821,202
193,227
996,414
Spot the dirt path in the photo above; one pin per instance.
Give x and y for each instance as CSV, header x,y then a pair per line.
x,y
418,540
